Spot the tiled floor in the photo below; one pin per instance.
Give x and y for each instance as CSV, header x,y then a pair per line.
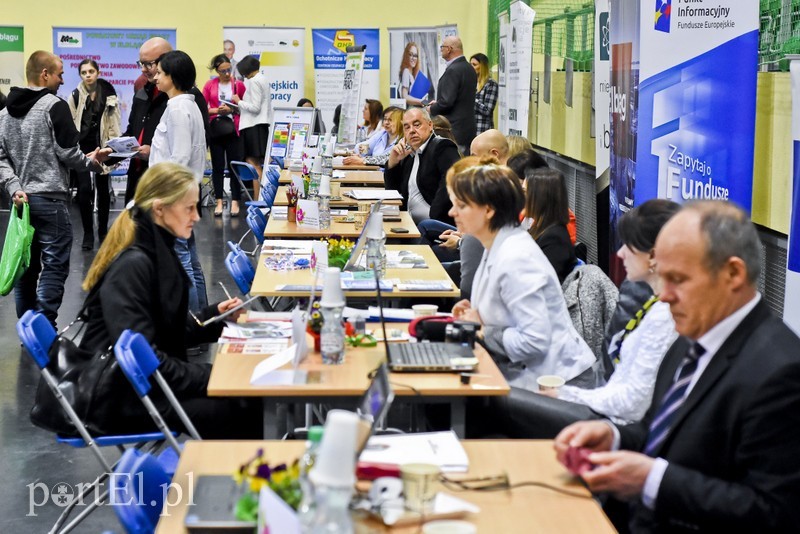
x,y
31,463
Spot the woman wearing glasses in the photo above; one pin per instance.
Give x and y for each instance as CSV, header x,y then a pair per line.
x,y
409,68
225,143
377,149
95,111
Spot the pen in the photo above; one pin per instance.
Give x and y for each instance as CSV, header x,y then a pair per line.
x,y
225,289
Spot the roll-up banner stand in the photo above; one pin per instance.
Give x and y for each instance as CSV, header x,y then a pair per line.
x,y
791,304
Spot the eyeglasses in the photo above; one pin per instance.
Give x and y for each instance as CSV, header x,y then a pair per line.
x,y
442,47
387,118
147,65
415,56
224,71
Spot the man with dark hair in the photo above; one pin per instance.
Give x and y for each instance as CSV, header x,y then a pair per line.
x,y
719,444
38,146
455,94
148,106
417,167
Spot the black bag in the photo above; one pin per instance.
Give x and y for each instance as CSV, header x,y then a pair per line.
x,y
92,383
221,127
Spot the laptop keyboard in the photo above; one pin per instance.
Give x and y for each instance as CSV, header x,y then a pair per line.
x,y
423,354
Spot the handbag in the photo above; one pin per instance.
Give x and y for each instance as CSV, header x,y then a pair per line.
x,y
17,248
91,382
221,127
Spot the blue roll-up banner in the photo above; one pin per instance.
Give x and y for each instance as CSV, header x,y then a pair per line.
x,y
791,304
683,113
115,50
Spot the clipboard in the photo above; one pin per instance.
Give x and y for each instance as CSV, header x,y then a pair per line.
x,y
420,87
222,316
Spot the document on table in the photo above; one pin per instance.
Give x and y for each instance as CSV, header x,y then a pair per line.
x,y
439,448
266,373
374,194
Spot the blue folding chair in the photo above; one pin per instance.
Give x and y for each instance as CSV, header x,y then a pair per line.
x,y
244,172
257,223
258,213
273,175
139,362
37,336
240,268
138,494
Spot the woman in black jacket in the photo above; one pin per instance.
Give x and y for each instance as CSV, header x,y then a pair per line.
x,y
547,204
136,282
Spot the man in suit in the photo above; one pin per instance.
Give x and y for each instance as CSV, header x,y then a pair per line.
x,y
455,94
417,167
721,441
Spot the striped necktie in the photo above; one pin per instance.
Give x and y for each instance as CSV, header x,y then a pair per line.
x,y
662,423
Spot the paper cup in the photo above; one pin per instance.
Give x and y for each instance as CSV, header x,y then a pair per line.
x,y
335,464
449,527
424,310
419,486
549,382
336,189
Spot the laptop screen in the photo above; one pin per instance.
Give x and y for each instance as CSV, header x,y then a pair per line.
x,y
374,405
352,262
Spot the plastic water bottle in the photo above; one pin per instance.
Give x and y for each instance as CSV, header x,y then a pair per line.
x,y
376,245
307,504
324,203
316,178
332,334
332,510
332,306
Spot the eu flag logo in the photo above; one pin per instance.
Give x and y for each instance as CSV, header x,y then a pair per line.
x,y
663,10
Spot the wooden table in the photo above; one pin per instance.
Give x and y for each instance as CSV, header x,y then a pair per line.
x,y
343,384
266,281
521,510
343,201
351,177
283,228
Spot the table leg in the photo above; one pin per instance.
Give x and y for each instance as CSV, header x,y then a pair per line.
x,y
271,430
458,417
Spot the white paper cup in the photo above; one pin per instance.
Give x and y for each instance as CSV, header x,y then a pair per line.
x,y
424,310
449,526
336,189
549,382
419,486
336,459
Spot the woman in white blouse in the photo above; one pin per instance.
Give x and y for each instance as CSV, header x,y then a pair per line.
x,y
255,109
640,347
516,296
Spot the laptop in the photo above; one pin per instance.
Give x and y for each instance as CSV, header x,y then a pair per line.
x,y
352,262
374,406
430,357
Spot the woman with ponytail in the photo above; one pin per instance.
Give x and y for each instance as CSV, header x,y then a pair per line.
x,y
136,282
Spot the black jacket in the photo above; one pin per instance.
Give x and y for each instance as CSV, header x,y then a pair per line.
x,y
146,290
438,156
455,99
557,246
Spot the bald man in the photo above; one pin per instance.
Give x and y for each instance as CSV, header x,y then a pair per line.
x,y
490,143
455,94
148,106
38,146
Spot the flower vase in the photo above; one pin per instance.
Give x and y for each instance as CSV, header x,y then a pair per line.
x,y
291,214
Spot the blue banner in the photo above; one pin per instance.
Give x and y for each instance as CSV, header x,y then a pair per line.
x,y
330,47
115,50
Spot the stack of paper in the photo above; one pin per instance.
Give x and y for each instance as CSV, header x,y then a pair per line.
x,y
261,337
438,448
425,285
374,194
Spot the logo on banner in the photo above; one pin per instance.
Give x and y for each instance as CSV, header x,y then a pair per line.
x,y
663,12
70,39
343,39
605,37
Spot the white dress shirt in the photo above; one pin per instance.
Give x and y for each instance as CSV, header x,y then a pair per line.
x,y
255,107
418,207
180,136
526,324
711,341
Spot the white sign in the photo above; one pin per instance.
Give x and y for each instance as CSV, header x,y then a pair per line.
x,y
602,87
519,63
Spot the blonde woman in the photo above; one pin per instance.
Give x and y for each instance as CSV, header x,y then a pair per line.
x,y
486,95
378,148
136,282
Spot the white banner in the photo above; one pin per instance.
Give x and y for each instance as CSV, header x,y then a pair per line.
x,y
602,87
519,68
12,59
281,52
502,69
414,58
330,49
791,304
351,89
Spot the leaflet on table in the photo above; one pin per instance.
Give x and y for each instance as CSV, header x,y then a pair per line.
x,y
297,180
266,373
257,331
307,214
438,448
124,147
399,259
390,315
362,193
276,245
262,347
364,280
339,174
319,256
425,285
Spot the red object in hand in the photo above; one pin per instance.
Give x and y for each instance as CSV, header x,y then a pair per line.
x,y
578,460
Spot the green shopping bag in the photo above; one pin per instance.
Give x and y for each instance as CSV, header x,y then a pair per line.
x,y
17,249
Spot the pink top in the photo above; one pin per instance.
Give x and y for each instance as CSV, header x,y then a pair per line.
x,y
211,94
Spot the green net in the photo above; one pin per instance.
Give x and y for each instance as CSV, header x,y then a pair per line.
x,y
779,33
565,29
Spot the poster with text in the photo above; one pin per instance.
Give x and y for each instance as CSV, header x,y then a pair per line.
x,y
602,88
791,304
12,58
502,70
330,51
116,51
281,52
415,64
351,96
518,68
